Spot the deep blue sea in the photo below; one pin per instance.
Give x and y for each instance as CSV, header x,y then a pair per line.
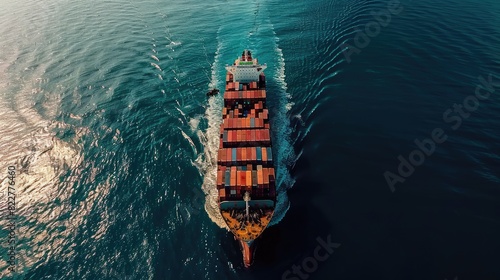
x,y
385,123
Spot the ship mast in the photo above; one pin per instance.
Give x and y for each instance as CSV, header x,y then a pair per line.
x,y
247,198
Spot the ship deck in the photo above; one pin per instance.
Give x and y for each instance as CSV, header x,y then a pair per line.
x,y
245,162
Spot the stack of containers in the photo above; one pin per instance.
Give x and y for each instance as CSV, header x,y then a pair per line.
x,y
245,157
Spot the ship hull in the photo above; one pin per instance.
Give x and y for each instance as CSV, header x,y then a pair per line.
x,y
245,165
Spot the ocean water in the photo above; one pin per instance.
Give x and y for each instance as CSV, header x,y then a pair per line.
x,y
384,121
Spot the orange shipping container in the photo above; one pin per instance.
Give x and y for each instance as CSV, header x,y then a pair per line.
x,y
233,177
219,178
260,179
249,178
264,154
222,193
244,154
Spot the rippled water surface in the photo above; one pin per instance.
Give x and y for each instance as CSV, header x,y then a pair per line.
x,y
104,115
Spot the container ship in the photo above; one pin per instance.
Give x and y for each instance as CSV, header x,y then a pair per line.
x,y
246,179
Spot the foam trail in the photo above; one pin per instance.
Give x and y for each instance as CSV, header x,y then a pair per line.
x,y
282,129
282,149
207,162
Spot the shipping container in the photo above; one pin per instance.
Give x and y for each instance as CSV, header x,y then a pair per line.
x,y
269,154
249,178
260,178
228,177
233,176
259,154
243,154
266,176
264,154
242,179
222,194
219,179
238,154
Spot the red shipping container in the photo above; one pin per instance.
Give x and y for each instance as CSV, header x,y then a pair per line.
x,y
249,135
253,134
248,152
265,135
238,154
228,155
243,178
